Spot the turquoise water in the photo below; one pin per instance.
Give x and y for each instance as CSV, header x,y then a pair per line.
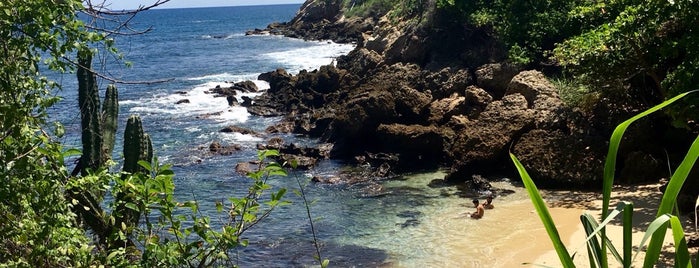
x,y
204,47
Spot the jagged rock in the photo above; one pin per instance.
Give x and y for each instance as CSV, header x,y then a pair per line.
x,y
241,130
442,110
446,82
216,148
301,162
277,79
359,62
541,96
232,101
478,183
243,168
483,143
417,146
246,86
557,159
495,78
275,143
477,100
281,127
182,101
247,101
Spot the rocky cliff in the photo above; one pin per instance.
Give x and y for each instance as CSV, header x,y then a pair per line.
x,y
422,91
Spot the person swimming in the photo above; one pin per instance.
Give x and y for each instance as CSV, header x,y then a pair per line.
x,y
480,211
489,203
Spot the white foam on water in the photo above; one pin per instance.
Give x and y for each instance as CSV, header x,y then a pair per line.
x,y
200,102
236,137
223,77
310,58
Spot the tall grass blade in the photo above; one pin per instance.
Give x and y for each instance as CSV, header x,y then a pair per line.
x,y
593,246
682,258
544,214
598,228
610,162
669,199
696,213
659,223
627,223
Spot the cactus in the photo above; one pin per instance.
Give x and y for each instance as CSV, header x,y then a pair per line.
x,y
136,145
88,99
110,113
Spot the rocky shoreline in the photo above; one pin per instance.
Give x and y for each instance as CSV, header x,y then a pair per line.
x,y
418,96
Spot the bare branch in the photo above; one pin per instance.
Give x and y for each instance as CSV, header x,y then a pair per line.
x,y
114,80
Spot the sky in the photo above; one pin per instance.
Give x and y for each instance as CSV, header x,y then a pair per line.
x,y
133,4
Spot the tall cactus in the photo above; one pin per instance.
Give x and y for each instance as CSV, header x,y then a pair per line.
x,y
88,99
110,114
137,147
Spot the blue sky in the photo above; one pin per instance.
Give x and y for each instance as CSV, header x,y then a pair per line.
x,y
132,4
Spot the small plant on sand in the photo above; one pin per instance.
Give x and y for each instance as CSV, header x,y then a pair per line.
x,y
597,241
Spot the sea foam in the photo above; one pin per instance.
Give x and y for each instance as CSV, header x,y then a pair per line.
x,y
310,58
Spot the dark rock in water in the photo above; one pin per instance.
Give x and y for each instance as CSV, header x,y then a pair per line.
x,y
275,143
328,180
301,162
243,168
479,184
241,130
232,101
216,148
246,86
182,101
247,101
282,127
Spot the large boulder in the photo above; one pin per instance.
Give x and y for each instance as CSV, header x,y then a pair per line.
x,y
448,81
541,96
417,146
485,141
559,159
495,78
442,110
390,96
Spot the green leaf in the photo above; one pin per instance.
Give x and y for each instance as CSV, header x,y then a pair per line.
x,y
682,258
71,152
610,169
544,214
146,165
655,225
669,199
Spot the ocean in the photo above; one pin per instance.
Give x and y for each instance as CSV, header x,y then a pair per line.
x,y
196,49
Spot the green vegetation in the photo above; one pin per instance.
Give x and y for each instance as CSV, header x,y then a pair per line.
x,y
369,8
650,45
597,241
50,217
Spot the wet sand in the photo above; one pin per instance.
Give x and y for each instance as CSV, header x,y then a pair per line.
x,y
512,235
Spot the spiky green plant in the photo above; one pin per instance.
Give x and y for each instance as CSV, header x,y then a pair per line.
x,y
110,114
88,99
597,241
137,148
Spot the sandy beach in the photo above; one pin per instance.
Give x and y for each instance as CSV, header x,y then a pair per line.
x,y
566,207
512,235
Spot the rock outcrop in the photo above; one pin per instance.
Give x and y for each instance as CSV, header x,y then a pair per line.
x,y
423,92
